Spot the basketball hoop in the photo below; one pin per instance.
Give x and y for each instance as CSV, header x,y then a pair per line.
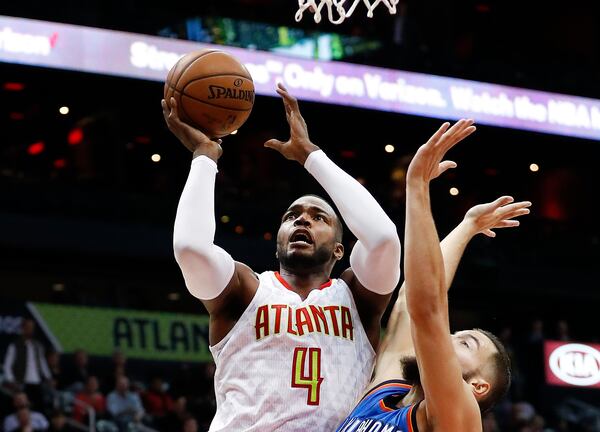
x,y
336,12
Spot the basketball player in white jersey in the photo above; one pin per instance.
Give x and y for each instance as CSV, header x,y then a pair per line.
x,y
427,379
294,349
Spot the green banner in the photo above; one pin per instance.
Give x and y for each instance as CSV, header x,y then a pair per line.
x,y
138,334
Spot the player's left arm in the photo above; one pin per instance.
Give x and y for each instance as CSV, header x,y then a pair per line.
x,y
375,260
449,403
481,219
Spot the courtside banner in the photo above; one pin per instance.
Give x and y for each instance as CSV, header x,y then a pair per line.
x,y
132,55
138,334
572,364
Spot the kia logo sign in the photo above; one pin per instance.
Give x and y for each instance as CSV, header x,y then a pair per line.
x,y
572,364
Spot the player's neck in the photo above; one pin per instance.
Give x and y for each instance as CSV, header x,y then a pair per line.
x,y
414,396
303,283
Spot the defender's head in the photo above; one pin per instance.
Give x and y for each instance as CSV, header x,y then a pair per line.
x,y
485,364
310,235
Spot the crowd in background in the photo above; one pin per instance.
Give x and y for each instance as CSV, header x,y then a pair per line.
x,y
53,392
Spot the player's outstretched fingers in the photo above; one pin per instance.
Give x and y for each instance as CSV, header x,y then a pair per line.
x,y
514,207
290,102
507,224
502,201
435,138
459,131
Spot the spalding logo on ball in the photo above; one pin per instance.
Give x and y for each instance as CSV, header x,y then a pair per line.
x,y
213,90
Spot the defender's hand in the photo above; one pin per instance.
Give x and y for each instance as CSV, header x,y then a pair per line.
x,y
483,218
427,163
193,139
298,147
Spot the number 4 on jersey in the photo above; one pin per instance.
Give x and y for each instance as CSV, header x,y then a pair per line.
x,y
313,380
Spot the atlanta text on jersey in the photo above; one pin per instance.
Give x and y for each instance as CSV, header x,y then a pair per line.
x,y
329,320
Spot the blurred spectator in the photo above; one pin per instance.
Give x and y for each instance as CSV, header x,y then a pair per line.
x,y
53,361
562,331
56,373
536,335
176,418
25,366
189,425
24,421
124,406
58,423
532,363
489,423
157,401
92,397
522,415
23,418
119,363
76,377
516,384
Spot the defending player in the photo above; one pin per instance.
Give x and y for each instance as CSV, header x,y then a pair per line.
x,y
293,348
452,378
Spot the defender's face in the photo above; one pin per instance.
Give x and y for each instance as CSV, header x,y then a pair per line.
x,y
307,230
473,350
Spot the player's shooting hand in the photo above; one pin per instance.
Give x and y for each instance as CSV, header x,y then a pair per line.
x,y
193,139
299,146
483,218
427,163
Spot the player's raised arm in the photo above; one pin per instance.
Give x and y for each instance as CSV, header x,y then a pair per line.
x,y
210,273
481,219
375,259
449,403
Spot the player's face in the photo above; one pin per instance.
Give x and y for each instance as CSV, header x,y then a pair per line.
x,y
473,349
307,234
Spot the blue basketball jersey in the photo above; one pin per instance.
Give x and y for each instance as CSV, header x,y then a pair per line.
x,y
377,411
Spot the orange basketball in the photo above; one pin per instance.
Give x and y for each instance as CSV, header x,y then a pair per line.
x,y
213,90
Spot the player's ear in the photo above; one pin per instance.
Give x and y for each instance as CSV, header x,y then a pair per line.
x,y
338,251
480,386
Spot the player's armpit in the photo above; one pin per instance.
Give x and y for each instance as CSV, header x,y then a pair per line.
x,y
371,306
229,306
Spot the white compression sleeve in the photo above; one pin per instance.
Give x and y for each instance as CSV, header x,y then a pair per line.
x,y
375,258
206,268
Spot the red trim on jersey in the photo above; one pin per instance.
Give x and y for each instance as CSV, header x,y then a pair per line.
x,y
288,286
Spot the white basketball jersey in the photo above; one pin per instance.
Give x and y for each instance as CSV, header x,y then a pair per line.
x,y
289,364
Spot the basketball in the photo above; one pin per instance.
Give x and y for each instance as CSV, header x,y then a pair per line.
x,y
213,90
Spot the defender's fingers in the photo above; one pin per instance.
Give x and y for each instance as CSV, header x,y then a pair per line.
x,y
507,224
515,206
436,136
502,201
489,233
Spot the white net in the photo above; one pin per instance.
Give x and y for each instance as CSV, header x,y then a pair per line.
x,y
338,10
